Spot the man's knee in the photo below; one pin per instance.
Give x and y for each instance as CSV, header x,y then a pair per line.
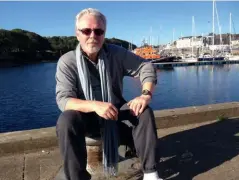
x,y
147,117
68,119
148,112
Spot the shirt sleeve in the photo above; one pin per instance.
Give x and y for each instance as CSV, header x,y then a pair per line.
x,y
136,66
65,83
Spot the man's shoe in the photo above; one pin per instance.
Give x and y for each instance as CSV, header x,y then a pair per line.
x,y
151,176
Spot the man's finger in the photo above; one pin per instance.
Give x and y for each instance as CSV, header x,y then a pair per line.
x,y
105,117
138,106
142,108
113,114
109,116
134,106
114,109
129,103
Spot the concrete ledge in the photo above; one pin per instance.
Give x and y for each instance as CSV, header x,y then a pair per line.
x,y
195,114
23,141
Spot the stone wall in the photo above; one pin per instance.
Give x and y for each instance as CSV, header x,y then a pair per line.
x,y
30,140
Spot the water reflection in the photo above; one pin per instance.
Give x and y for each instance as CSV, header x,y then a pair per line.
x,y
27,94
196,85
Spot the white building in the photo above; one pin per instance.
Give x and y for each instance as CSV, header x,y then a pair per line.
x,y
183,43
188,42
235,43
168,46
197,42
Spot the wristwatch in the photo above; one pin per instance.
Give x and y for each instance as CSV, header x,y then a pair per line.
x,y
146,92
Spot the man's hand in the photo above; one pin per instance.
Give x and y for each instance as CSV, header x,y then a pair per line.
x,y
138,104
106,110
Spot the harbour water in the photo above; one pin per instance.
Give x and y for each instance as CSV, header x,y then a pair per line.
x,y
27,93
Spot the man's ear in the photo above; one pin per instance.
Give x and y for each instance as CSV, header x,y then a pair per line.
x,y
76,32
77,35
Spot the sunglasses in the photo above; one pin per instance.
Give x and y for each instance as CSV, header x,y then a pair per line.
x,y
88,31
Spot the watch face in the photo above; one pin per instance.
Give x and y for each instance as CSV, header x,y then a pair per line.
x,y
145,92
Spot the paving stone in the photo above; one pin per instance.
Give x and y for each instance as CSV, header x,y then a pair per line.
x,y
227,170
198,152
32,166
50,163
11,167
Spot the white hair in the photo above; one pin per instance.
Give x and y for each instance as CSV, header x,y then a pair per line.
x,y
90,11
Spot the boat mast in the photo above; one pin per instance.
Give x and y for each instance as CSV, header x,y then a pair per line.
x,y
202,45
218,23
150,36
173,34
158,43
220,28
230,37
213,3
159,37
192,33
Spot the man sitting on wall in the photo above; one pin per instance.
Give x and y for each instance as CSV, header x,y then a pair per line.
x,y
89,84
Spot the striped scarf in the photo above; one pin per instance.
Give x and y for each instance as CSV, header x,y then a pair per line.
x,y
110,131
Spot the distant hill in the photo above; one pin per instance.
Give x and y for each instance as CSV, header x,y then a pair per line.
x,y
23,45
120,42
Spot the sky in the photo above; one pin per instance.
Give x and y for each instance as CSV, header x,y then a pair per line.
x,y
133,21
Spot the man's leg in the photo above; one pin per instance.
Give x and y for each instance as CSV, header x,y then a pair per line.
x,y
144,136
71,128
145,140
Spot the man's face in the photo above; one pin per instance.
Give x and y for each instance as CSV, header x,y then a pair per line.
x,y
90,41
